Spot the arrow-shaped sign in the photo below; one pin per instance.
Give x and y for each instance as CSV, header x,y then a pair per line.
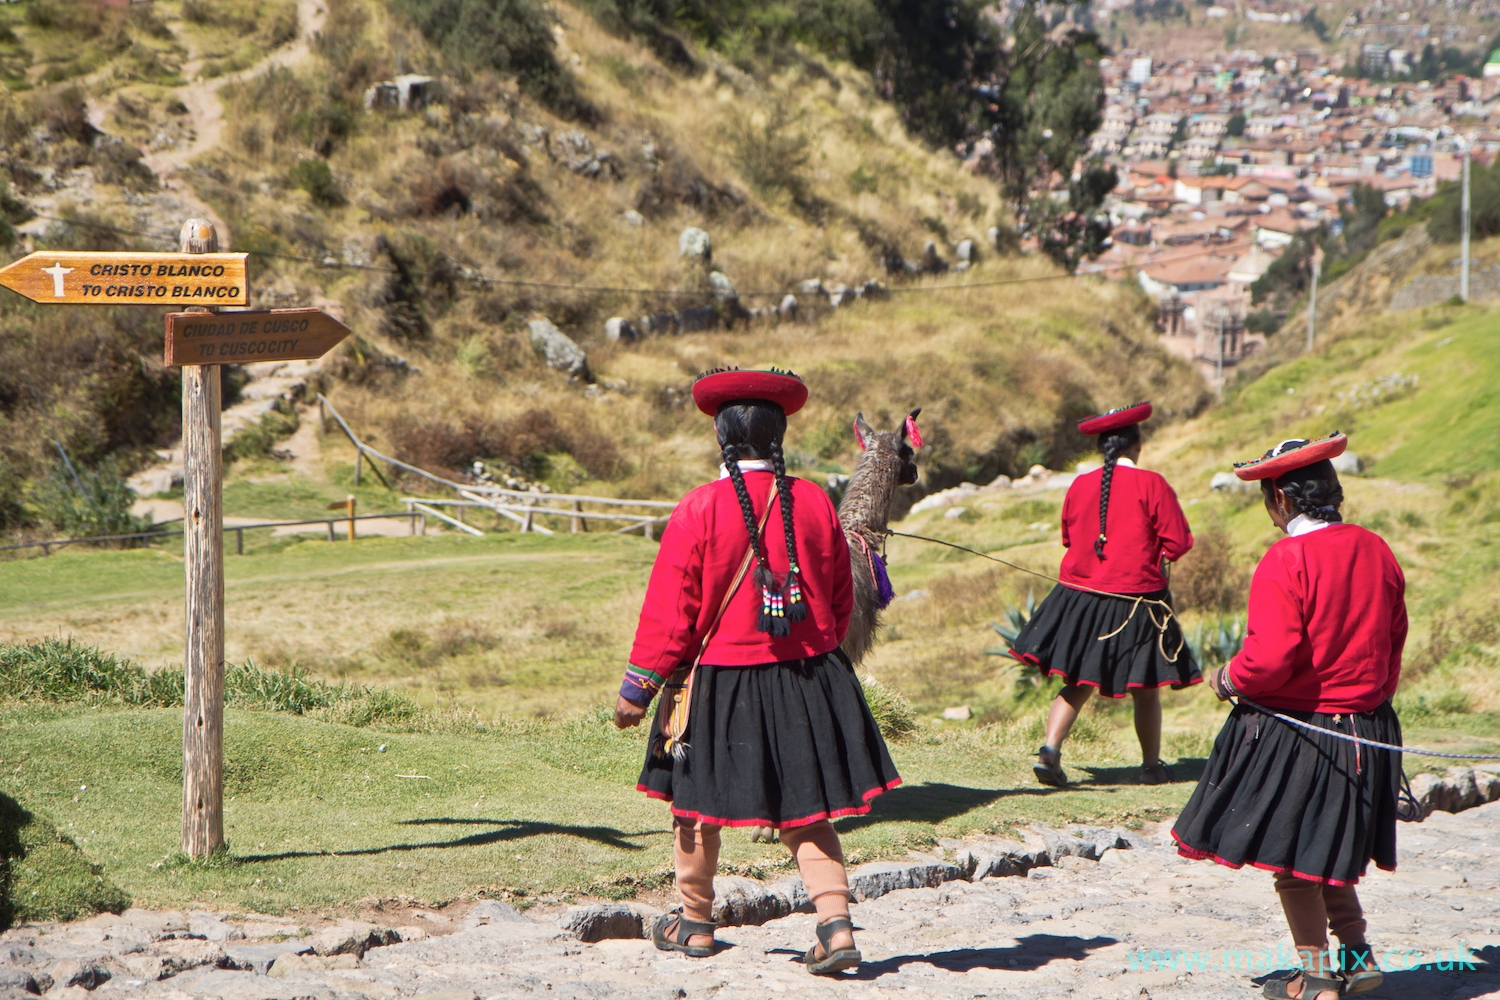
x,y
228,338
107,278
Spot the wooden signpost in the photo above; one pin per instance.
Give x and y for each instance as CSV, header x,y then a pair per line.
x,y
199,340
108,278
237,337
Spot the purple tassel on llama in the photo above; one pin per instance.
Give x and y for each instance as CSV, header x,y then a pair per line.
x,y
884,591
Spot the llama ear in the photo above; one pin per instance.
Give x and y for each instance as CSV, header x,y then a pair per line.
x,y
909,429
861,431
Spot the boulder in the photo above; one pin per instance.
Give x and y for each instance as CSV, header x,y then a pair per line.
x,y
658,323
1228,482
352,939
259,958
723,288
633,218
744,902
559,350
212,927
788,308
697,319
492,911
1461,788
1348,464
931,262
608,921
13,980
811,286
1000,858
621,330
878,878
967,252
696,245
993,235
874,290
288,965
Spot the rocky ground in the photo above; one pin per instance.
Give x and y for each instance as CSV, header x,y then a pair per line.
x,y
1137,922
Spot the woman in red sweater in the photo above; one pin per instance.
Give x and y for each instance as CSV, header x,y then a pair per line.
x,y
741,624
1118,645
1326,629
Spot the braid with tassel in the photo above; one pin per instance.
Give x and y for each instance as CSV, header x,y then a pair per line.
x,y
1114,444
764,578
796,607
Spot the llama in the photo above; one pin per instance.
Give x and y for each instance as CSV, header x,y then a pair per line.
x,y
887,462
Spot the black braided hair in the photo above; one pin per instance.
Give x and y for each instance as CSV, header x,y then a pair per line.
x,y
754,429
1113,444
1314,489
796,609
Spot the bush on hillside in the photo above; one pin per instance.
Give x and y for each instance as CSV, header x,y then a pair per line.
x,y
87,503
524,441
511,37
1210,577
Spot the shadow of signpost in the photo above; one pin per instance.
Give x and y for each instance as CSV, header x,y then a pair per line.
x,y
504,830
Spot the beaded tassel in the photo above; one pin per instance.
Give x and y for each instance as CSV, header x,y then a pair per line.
x,y
773,612
796,607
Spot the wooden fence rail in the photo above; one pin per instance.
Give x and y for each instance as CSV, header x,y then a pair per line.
x,y
47,546
520,506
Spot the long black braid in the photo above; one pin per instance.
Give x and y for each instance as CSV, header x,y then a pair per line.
x,y
731,455
1114,444
1314,489
754,429
796,609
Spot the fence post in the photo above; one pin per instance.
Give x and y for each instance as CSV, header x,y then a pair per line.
x,y
649,523
239,541
573,521
331,536
359,463
203,560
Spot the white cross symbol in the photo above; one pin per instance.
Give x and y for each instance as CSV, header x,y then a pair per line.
x,y
57,271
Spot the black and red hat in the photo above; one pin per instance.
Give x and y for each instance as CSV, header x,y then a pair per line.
x,y
1289,456
731,385
1115,419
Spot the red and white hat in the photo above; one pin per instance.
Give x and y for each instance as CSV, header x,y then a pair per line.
x,y
731,385
1291,455
1115,419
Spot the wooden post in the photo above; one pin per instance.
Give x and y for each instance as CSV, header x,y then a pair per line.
x,y
331,536
239,541
359,464
573,521
203,560
350,503
647,529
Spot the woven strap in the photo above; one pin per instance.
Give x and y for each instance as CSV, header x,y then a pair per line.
x,y
673,711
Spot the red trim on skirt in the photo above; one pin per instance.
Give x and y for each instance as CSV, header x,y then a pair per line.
x,y
1194,854
787,824
1031,660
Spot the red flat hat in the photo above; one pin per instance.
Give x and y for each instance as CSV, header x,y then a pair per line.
x,y
1290,455
714,389
1115,419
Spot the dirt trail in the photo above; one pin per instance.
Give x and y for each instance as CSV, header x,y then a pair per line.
x,y
206,113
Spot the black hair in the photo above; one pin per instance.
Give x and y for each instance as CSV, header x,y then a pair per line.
x,y
1113,444
754,428
1314,489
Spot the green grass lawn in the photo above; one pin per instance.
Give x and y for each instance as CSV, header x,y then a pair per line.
x,y
318,815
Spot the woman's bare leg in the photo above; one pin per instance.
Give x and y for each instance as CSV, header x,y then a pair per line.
x,y
1148,723
1065,708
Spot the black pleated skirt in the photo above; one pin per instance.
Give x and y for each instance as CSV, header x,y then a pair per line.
x,y
1079,637
782,745
1282,798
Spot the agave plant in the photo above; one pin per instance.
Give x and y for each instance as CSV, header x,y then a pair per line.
x,y
1215,641
1015,621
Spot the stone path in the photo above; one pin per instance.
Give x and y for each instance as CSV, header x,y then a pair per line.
x,y
1078,929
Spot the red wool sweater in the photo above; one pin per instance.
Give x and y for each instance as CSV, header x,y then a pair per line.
x,y
1145,523
700,553
1327,623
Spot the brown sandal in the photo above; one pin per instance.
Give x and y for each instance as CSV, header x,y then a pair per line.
x,y
1155,774
678,939
1048,768
1280,989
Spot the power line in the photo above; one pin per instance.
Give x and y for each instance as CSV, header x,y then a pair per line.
x,y
332,263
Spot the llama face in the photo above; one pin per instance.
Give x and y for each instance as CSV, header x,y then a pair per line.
x,y
893,450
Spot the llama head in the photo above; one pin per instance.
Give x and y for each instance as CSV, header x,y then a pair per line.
x,y
893,450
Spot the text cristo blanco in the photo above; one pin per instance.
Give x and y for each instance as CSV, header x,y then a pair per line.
x,y
153,290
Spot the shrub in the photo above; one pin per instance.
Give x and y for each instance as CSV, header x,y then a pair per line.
x,y
1210,578
892,712
314,177
87,503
